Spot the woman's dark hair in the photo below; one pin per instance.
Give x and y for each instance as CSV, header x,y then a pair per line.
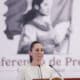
x,y
32,13
32,45
36,2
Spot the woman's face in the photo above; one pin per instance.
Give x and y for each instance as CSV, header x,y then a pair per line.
x,y
37,52
45,7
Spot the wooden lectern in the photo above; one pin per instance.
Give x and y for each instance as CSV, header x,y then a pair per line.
x,y
42,79
56,78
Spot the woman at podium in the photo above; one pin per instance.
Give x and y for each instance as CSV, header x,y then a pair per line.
x,y
36,69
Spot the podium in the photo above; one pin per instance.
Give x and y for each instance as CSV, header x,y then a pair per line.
x,y
56,78
42,79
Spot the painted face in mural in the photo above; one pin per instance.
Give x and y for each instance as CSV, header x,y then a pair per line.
x,y
45,7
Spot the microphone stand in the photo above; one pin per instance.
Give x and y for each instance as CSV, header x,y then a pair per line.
x,y
56,71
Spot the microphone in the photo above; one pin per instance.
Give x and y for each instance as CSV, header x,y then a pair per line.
x,y
40,72
56,71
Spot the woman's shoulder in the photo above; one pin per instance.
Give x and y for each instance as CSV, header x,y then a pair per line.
x,y
24,67
29,28
37,25
29,25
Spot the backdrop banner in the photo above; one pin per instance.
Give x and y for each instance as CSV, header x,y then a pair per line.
x,y
65,17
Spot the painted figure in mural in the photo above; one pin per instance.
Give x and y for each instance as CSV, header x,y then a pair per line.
x,y
36,68
38,26
47,21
